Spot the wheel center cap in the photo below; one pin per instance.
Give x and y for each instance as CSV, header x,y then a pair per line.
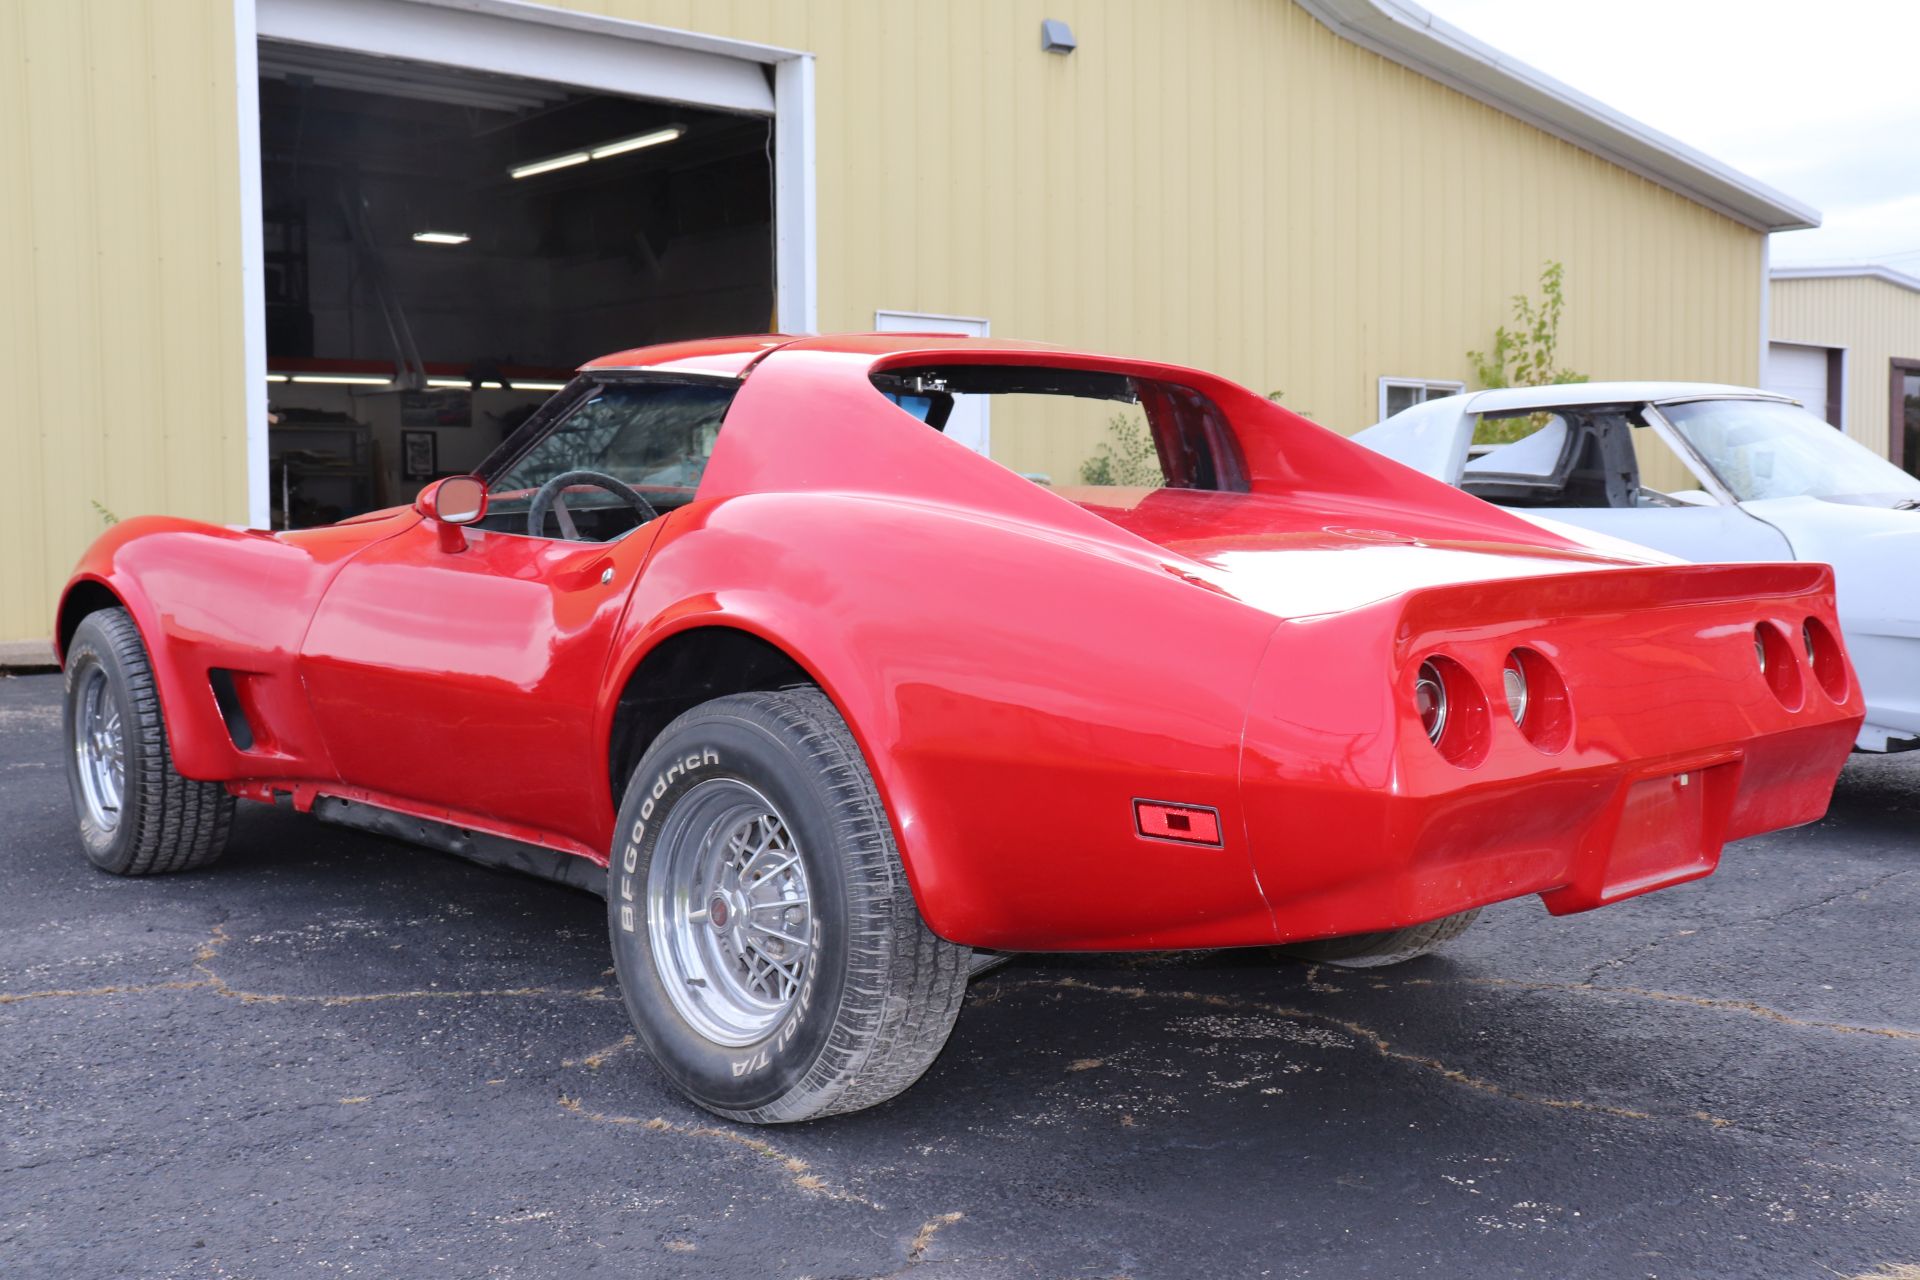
x,y
718,912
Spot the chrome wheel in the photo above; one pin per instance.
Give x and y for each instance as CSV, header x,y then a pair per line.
x,y
100,745
728,912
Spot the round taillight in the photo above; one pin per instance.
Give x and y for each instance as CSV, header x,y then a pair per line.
x,y
1537,699
1827,658
1453,711
1778,665
1513,683
1430,700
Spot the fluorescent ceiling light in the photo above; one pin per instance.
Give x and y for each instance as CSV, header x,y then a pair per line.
x,y
343,379
551,163
276,377
606,150
624,145
465,383
442,237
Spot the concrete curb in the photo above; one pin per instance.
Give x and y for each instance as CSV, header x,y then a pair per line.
x,y
15,654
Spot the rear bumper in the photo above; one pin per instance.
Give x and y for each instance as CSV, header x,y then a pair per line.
x,y
1580,839
1678,744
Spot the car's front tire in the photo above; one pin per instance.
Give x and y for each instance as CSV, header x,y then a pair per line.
x,y
767,944
137,816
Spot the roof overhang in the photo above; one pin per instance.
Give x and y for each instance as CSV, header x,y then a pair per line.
x,y
1862,270
1405,33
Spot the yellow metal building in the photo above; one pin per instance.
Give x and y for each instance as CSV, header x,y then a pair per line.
x,y
1322,198
1855,331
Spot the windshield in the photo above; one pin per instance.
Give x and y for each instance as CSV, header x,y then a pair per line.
x,y
1769,449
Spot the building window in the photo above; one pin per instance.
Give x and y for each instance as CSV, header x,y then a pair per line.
x,y
1403,393
1903,423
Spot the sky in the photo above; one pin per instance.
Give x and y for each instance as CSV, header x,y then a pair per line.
x,y
1819,101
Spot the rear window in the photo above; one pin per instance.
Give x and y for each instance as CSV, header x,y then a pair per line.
x,y
1073,428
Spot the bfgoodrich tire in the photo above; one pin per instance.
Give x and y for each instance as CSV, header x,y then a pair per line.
x,y
768,947
137,816
1377,950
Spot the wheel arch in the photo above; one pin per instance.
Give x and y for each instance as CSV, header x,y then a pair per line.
x,y
739,650
83,596
681,669
90,593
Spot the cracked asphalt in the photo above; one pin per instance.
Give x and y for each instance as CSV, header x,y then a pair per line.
x,y
334,1054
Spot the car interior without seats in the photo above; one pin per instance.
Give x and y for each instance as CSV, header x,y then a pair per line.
x,y
1574,458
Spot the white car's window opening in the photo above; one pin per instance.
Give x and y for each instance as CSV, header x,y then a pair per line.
x,y
1770,449
1590,456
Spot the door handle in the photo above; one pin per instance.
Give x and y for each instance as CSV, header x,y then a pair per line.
x,y
596,572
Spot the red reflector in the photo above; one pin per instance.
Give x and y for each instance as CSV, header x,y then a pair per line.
x,y
1186,823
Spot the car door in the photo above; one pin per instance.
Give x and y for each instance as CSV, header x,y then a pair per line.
x,y
468,680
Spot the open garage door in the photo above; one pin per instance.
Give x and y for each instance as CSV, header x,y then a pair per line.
x,y
443,240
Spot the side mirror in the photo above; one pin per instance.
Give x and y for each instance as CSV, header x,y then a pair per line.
x,y
451,503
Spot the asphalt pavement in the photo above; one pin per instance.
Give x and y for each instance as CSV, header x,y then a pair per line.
x,y
331,1054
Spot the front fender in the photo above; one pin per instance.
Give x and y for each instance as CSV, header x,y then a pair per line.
x,y
207,597
1013,694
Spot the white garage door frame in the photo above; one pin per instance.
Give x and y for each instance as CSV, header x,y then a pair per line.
x,y
516,37
969,423
1835,405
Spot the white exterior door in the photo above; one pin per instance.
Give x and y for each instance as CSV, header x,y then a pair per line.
x,y
968,424
1800,372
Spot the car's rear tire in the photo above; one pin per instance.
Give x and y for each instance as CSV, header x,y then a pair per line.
x,y
1377,950
137,816
767,944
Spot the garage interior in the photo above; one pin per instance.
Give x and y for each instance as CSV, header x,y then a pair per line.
x,y
444,246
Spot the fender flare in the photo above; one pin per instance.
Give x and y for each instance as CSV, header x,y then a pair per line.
x,y
862,704
170,684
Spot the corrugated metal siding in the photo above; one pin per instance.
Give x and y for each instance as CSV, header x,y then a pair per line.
x,y
1225,183
1222,182
120,304
1875,321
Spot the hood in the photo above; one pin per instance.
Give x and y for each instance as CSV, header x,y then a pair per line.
x,y
1874,551
1304,555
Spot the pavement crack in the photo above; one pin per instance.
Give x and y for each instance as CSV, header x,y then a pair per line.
x,y
1314,984
1747,1008
923,1238
598,1058
85,993
210,950
1381,1046
1771,917
797,1171
1775,917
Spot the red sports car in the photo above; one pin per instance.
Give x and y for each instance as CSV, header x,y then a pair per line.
x,y
822,701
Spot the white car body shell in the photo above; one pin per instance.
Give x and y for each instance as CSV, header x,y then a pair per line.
x,y
1874,550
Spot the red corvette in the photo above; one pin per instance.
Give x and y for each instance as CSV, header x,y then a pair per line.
x,y
822,701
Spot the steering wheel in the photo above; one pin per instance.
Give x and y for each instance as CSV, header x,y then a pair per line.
x,y
550,496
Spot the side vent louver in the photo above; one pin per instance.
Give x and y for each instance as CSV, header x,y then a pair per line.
x,y
228,696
